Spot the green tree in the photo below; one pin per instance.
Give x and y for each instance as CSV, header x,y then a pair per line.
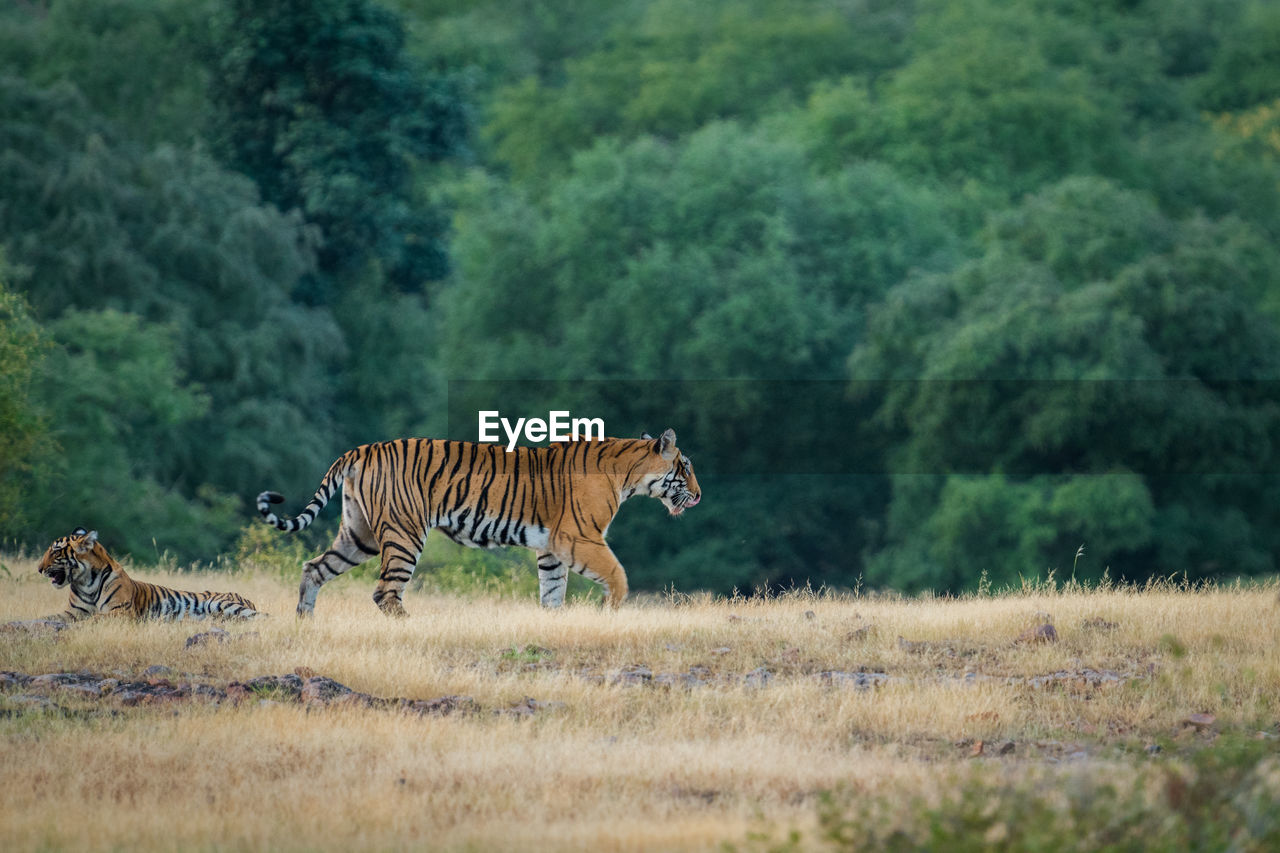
x,y
168,237
1016,363
23,437
322,107
744,263
123,407
1245,70
681,66
722,257
504,41
1004,96
133,60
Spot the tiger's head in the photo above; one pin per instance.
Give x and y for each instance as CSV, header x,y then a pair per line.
x,y
72,556
670,477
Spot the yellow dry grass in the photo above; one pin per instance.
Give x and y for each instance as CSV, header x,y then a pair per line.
x,y
603,765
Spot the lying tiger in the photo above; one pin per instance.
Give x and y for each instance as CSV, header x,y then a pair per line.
x,y
556,500
100,585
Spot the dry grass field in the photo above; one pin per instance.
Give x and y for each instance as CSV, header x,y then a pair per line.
x,y
798,722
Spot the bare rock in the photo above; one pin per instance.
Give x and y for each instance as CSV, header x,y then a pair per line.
x,y
1044,633
266,690
30,702
205,638
207,693
632,675
1199,722
79,682
1076,680
286,686
100,687
321,690
527,707
154,691
354,699
12,680
38,627
441,707
697,676
852,680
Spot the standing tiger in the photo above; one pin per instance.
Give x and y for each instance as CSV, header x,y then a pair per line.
x,y
100,585
556,500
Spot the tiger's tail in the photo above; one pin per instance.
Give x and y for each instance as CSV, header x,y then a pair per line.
x,y
326,490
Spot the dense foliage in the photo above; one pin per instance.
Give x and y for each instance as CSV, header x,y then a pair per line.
x,y
320,105
927,289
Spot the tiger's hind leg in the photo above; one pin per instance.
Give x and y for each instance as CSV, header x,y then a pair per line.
x,y
400,552
553,579
230,605
352,546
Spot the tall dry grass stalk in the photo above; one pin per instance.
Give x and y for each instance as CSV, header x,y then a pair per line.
x,y
611,760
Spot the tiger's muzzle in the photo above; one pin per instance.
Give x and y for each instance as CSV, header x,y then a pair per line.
x,y
683,502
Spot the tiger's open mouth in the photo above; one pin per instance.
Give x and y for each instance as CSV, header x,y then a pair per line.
x,y
683,502
58,577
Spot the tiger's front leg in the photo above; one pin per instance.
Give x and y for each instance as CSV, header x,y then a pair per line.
x,y
596,561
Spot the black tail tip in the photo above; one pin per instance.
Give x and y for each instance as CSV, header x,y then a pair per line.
x,y
271,497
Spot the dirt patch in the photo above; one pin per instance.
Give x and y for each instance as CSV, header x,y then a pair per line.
x,y
42,692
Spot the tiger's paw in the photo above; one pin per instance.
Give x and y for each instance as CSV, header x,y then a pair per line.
x,y
393,608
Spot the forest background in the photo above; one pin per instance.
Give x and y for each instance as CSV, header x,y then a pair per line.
x,y
933,293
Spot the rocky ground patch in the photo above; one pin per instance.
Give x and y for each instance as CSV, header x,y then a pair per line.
x,y
160,686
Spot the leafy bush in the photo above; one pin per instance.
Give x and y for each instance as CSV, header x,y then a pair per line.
x,y
265,549
506,572
1219,798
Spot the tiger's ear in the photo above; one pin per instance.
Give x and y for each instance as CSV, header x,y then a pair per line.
x,y
667,445
645,436
87,541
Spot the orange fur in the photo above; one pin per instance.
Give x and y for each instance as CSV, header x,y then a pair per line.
x,y
100,585
556,500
